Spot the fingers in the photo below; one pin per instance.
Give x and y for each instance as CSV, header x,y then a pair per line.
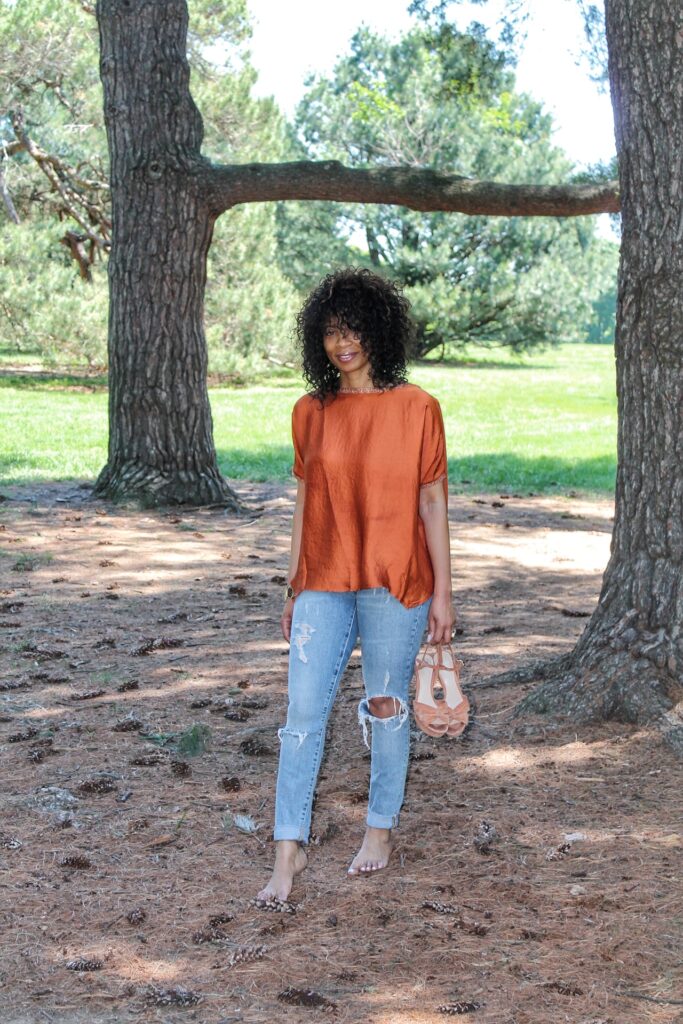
x,y
439,631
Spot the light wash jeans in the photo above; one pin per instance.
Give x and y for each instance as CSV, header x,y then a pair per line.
x,y
325,627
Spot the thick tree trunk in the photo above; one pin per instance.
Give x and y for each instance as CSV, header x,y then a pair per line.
x,y
161,448
628,663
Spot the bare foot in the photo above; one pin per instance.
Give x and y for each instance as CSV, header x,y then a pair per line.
x,y
374,853
290,859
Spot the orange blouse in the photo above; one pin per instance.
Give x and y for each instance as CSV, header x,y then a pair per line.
x,y
363,457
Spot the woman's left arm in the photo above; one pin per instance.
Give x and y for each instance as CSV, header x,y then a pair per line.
x,y
434,515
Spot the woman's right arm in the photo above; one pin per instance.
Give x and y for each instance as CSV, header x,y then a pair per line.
x,y
297,525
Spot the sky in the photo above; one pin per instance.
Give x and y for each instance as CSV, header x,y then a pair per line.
x,y
292,39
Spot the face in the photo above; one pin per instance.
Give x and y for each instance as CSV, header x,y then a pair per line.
x,y
343,347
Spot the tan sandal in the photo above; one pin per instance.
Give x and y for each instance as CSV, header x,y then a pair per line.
x,y
436,666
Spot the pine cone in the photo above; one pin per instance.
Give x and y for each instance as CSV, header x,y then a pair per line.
x,y
245,954
82,963
440,908
460,1007
177,996
276,905
486,835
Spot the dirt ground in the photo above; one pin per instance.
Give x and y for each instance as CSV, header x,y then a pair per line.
x,y
143,677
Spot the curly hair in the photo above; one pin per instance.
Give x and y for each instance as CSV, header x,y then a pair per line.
x,y
370,306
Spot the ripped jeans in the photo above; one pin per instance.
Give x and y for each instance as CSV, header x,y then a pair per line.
x,y
325,627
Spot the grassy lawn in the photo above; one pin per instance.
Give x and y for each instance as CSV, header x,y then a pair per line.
x,y
545,423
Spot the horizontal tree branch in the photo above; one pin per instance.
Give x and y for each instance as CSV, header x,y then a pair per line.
x,y
416,188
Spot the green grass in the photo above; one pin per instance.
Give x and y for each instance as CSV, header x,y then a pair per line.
x,y
544,423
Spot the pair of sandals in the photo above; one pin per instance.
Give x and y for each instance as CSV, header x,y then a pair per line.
x,y
436,667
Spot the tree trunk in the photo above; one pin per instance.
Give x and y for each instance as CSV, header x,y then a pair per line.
x,y
628,663
161,449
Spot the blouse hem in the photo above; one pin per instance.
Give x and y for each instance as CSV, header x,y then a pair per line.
x,y
353,590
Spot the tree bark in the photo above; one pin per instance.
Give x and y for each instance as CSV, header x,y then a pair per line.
x,y
161,449
417,188
628,663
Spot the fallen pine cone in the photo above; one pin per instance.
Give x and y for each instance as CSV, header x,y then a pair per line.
x,y
255,703
276,905
82,963
97,785
460,1007
211,934
86,694
136,916
486,835
441,908
236,715
181,769
19,737
256,748
231,784
75,860
177,996
245,954
306,997
147,760
563,988
159,643
132,684
216,920
558,852
129,724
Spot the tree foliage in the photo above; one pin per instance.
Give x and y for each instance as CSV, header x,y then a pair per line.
x,y
446,100
53,263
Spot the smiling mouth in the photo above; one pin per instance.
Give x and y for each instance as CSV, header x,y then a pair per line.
x,y
347,357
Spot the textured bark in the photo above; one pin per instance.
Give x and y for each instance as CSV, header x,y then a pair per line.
x,y
628,663
417,188
161,447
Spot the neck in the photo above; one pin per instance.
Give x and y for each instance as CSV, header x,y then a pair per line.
x,y
356,379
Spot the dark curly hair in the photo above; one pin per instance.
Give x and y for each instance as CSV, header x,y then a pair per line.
x,y
370,306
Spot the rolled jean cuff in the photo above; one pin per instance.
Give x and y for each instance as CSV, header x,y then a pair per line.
x,y
289,832
375,820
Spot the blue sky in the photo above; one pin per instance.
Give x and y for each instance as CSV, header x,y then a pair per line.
x,y
294,38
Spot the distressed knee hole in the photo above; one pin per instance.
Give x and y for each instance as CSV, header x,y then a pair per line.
x,y
302,634
300,736
384,707
393,712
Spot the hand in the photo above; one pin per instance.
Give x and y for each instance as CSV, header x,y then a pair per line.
x,y
441,620
286,618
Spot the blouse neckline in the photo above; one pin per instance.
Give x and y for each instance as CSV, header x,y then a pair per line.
x,y
369,391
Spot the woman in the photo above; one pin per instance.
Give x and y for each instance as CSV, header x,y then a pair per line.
x,y
370,552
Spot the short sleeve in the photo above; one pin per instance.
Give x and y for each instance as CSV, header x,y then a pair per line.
x,y
433,465
298,467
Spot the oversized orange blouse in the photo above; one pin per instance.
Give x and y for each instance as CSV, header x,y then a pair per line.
x,y
363,457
